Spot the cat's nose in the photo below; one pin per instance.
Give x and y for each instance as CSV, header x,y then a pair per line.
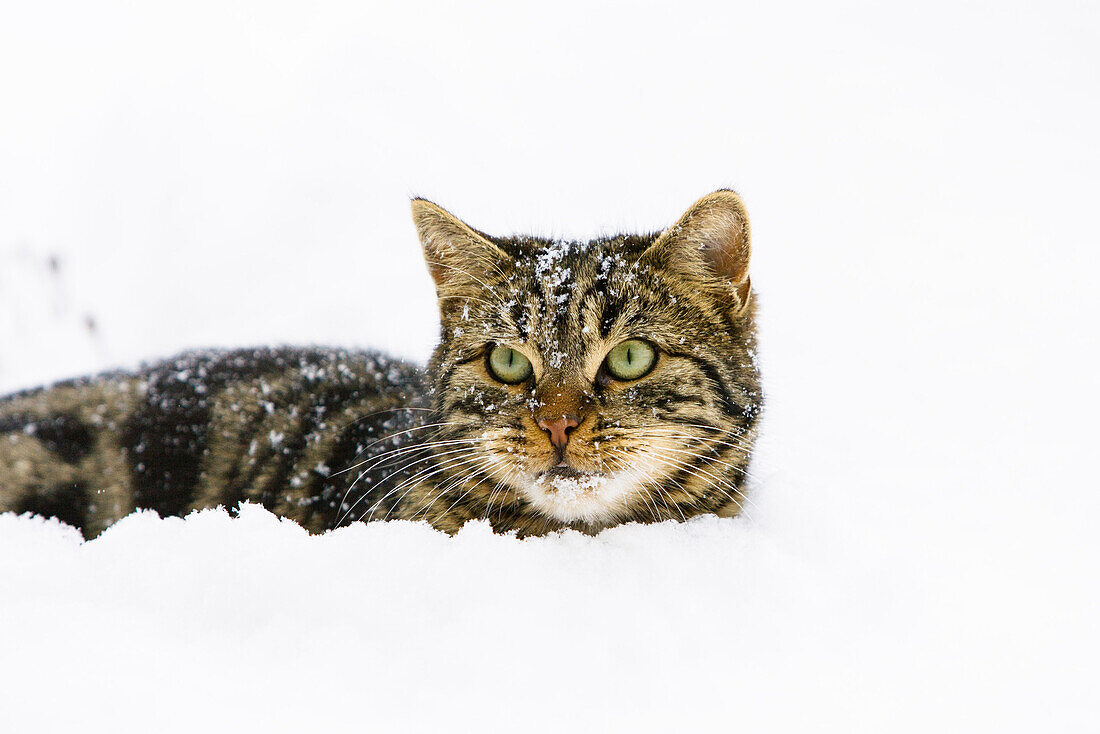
x,y
559,428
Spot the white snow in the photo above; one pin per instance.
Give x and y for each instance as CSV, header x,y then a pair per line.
x,y
921,549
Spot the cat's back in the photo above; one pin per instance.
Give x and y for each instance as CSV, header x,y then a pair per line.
x,y
207,428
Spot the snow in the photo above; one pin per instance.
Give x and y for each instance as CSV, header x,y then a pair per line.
x,y
920,552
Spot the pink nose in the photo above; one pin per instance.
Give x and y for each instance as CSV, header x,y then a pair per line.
x,y
559,428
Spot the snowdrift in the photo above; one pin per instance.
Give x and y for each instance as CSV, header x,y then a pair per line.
x,y
250,624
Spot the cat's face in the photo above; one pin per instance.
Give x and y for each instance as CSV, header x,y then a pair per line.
x,y
591,383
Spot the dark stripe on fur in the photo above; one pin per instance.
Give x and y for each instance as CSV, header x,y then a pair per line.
x,y
67,502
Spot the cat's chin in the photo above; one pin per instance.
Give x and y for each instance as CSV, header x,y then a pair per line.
x,y
573,496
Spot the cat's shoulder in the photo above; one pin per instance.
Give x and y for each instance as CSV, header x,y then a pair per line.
x,y
312,364
201,371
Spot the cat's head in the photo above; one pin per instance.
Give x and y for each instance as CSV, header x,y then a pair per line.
x,y
591,383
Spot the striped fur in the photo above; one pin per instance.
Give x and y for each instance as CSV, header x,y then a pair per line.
x,y
328,437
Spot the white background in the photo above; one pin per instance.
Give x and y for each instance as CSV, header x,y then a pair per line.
x,y
921,178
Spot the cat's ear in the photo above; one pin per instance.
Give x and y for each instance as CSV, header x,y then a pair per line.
x,y
455,252
711,243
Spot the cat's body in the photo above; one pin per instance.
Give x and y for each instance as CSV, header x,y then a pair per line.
x,y
575,385
270,426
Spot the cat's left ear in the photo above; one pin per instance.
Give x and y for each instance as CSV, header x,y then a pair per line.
x,y
711,243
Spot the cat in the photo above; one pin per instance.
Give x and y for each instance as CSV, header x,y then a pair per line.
x,y
575,385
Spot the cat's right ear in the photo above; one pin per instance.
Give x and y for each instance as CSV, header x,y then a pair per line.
x,y
455,252
711,244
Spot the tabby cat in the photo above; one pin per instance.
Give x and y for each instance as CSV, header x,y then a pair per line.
x,y
576,384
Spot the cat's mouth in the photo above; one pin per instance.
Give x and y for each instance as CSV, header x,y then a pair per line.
x,y
572,495
567,484
565,471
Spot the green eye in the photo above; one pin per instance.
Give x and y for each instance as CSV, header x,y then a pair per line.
x,y
630,360
508,365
